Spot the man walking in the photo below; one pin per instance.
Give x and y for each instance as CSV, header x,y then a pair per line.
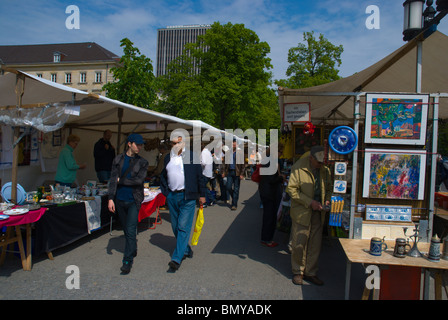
x,y
126,194
182,183
234,171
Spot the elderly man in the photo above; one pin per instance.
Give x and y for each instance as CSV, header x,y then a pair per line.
x,y
310,190
183,183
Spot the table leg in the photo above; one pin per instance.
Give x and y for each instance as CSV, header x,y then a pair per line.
x,y
4,245
28,247
21,249
348,271
438,284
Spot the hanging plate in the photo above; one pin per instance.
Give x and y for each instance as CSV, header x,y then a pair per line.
x,y
343,140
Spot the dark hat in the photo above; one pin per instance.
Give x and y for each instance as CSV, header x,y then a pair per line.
x,y
135,137
318,153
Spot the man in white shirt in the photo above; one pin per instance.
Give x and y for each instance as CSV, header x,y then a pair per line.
x,y
207,171
183,183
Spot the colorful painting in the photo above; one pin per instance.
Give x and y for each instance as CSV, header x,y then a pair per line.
x,y
396,119
394,174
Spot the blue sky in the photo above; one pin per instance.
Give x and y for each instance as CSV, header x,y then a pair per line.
x,y
280,23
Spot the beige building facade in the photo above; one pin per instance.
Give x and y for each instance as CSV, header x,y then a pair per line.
x,y
84,66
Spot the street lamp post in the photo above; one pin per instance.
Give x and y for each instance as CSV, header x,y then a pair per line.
x,y
417,21
413,12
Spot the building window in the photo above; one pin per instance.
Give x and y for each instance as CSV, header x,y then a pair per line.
x,y
82,77
68,78
98,78
39,75
54,77
56,57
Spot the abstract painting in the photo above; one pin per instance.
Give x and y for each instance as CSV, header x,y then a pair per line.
x,y
394,174
396,119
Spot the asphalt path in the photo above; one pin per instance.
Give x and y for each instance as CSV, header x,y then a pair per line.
x,y
229,263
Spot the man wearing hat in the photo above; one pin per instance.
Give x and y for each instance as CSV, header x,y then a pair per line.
x,y
310,189
126,194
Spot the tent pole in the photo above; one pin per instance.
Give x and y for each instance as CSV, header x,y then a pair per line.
x,y
419,67
120,120
435,133
354,170
20,88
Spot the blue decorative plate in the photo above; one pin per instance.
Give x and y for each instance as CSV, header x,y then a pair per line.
x,y
3,217
6,193
343,140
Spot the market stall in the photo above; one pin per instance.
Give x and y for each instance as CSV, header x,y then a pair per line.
x,y
380,129
40,114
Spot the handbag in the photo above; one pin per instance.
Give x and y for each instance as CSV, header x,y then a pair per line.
x,y
256,175
198,226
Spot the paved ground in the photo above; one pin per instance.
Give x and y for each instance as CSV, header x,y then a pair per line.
x,y
228,264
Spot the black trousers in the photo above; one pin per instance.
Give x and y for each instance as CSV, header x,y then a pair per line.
x,y
270,209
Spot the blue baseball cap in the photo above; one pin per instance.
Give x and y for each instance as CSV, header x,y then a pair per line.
x,y
134,137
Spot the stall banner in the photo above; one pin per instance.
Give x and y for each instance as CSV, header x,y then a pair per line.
x,y
297,112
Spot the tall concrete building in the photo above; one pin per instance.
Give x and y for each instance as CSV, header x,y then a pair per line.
x,y
171,42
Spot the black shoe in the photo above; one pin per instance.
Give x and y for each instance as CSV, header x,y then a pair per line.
x,y
190,255
174,266
126,267
313,279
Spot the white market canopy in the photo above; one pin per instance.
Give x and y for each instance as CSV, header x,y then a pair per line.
x,y
334,102
94,110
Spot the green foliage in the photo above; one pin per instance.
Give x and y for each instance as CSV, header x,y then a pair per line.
x,y
312,63
134,79
232,89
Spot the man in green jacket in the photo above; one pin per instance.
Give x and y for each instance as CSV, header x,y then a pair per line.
x,y
67,166
310,189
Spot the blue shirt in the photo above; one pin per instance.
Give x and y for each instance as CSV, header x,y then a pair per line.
x,y
124,193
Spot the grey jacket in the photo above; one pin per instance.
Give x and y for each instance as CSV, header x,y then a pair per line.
x,y
137,177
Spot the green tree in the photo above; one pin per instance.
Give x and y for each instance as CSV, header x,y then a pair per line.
x,y
312,63
134,80
232,88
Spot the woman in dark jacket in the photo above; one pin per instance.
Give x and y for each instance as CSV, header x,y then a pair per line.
x,y
270,189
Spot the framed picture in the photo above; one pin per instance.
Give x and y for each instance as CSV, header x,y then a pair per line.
x,y
394,174
396,118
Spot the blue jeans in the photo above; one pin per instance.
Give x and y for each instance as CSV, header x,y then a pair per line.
x,y
182,215
233,179
128,214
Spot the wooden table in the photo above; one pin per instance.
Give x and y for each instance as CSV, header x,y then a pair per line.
x,y
355,250
13,224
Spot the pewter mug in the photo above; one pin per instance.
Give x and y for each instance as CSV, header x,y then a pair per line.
x,y
377,246
445,249
400,248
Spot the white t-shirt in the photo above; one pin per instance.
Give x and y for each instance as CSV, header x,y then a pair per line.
x,y
207,163
175,172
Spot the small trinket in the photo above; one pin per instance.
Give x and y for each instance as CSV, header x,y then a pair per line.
x,y
434,249
445,249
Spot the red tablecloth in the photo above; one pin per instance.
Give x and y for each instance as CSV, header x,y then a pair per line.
x,y
148,208
29,217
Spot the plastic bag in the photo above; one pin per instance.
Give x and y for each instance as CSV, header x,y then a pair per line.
x,y
256,175
198,226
